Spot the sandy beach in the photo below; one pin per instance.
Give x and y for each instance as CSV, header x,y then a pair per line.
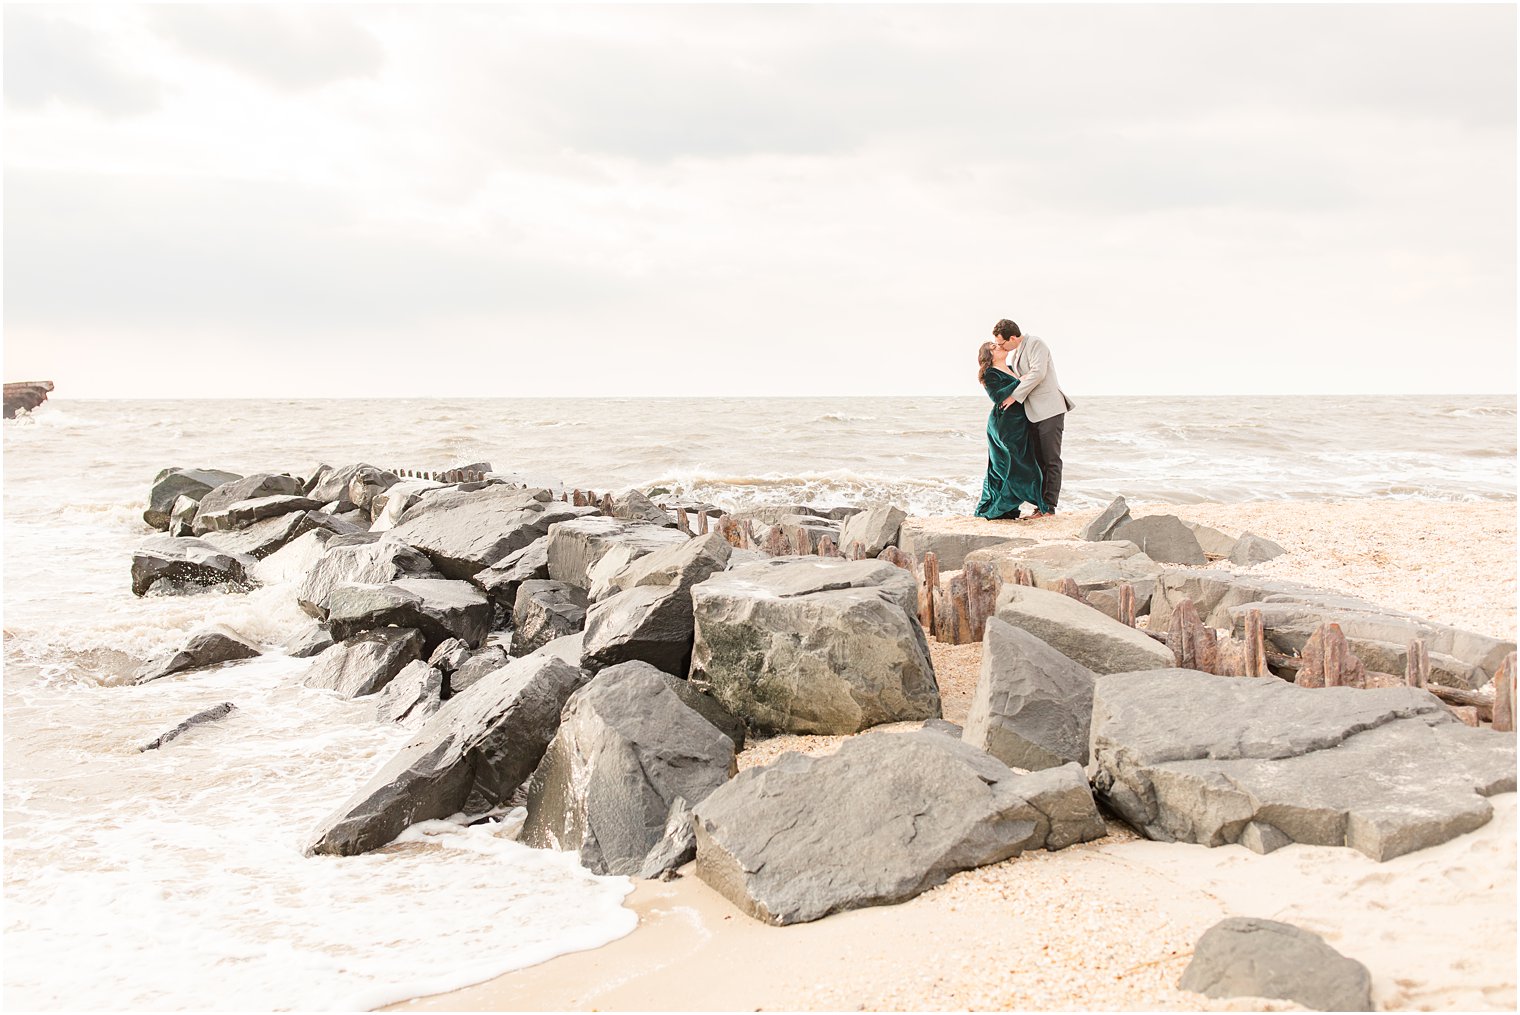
x,y
1110,924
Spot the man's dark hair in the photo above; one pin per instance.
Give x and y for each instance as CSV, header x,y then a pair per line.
x,y
1006,329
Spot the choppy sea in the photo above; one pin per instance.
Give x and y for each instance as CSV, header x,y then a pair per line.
x,y
175,879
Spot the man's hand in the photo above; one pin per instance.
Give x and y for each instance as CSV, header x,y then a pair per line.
x,y
1007,402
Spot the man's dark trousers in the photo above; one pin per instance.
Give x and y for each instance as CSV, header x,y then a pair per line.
x,y
1045,439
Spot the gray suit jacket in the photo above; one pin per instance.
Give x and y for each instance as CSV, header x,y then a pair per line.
x,y
1039,390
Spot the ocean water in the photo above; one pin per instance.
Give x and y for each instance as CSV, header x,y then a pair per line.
x,y
175,879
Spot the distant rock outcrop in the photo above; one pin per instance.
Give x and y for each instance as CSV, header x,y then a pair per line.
x,y
25,395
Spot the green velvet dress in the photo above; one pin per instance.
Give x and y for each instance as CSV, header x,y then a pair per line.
x,y
1013,476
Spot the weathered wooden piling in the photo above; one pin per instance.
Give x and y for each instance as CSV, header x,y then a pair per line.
x,y
776,544
960,611
892,555
682,522
1127,604
1256,646
1192,643
1023,576
607,504
826,547
1417,664
981,596
1327,661
928,588
1069,588
1504,696
702,522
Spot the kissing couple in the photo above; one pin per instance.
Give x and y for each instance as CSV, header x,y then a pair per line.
x,y
1025,426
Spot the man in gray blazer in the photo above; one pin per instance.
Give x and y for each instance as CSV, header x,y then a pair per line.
x,y
1045,404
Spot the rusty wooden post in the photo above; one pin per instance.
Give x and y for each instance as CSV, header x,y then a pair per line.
x,y
1069,587
1256,646
1417,664
802,541
1127,604
607,504
1192,644
1504,696
776,543
981,596
892,555
580,499
1328,660
702,522
1023,576
826,547
681,521
928,585
960,610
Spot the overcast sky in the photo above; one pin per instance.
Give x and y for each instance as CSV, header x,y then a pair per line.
x,y
352,201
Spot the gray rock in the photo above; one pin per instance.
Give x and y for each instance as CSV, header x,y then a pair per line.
x,y
243,513
290,563
346,563
883,819
1102,527
501,580
626,749
1291,612
1032,705
464,532
313,639
366,485
1079,632
262,538
567,648
411,696
650,623
677,844
544,611
172,484
814,645
1193,757
450,655
633,506
200,718
1163,538
333,485
1251,957
470,756
709,708
943,727
391,503
681,564
875,528
186,564
209,645
1214,542
254,487
365,663
917,537
583,549
772,514
480,665
1253,549
182,516
437,607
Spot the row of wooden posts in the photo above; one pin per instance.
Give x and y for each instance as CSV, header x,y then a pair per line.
x,y
957,612
447,476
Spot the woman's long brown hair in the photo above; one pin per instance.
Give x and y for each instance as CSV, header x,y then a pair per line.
x,y
983,361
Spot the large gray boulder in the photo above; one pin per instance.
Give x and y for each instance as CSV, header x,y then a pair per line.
x,y
885,818
209,645
182,516
254,487
470,756
367,485
172,484
875,528
481,664
390,504
545,610
1192,757
1081,633
1163,538
243,513
366,662
583,549
311,640
337,486
179,564
1032,705
465,531
681,564
650,623
1246,956
363,563
264,537
437,607
814,645
1214,542
289,563
1110,518
628,751
918,536
502,579
1291,612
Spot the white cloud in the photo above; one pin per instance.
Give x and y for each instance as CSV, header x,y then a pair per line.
x,y
771,199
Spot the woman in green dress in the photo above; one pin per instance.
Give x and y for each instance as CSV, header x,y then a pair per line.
x,y
1013,476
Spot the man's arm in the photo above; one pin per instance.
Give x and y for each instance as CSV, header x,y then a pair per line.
x,y
1039,366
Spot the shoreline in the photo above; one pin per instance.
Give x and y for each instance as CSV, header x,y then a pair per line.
x,y
1111,923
